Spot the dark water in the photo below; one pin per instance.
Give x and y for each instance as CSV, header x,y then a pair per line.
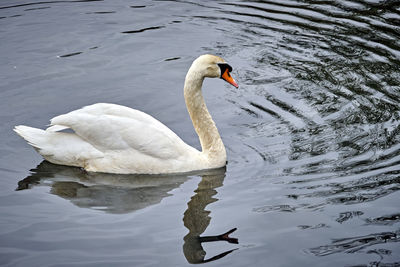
x,y
312,134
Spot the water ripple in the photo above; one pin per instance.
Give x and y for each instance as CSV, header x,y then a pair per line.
x,y
144,29
354,244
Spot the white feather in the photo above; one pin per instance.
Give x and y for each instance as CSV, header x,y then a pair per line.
x,y
56,128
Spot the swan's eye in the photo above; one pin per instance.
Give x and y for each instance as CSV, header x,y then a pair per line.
x,y
224,67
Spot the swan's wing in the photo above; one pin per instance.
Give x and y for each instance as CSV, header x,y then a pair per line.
x,y
110,127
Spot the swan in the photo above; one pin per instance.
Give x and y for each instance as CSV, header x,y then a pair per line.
x,y
111,138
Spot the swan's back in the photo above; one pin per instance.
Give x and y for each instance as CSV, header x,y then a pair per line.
x,y
111,126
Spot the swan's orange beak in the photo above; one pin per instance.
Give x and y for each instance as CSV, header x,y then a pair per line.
x,y
227,77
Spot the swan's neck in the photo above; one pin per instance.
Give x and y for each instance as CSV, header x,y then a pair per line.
x,y
204,125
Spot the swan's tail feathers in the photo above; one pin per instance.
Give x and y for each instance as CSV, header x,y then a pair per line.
x,y
35,137
59,147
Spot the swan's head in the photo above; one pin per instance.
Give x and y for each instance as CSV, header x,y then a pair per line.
x,y
214,67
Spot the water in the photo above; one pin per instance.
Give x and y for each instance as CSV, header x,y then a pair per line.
x,y
312,133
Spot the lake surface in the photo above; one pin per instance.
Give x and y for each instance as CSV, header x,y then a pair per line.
x,y
312,133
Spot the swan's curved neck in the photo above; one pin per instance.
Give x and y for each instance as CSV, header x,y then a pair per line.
x,y
203,123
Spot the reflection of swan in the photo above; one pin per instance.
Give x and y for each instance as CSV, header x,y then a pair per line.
x,y
126,193
116,139
196,219
108,192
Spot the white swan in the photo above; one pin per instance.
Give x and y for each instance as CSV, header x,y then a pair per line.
x,y
116,139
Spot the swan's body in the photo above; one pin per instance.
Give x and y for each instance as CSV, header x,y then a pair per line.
x,y
117,139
